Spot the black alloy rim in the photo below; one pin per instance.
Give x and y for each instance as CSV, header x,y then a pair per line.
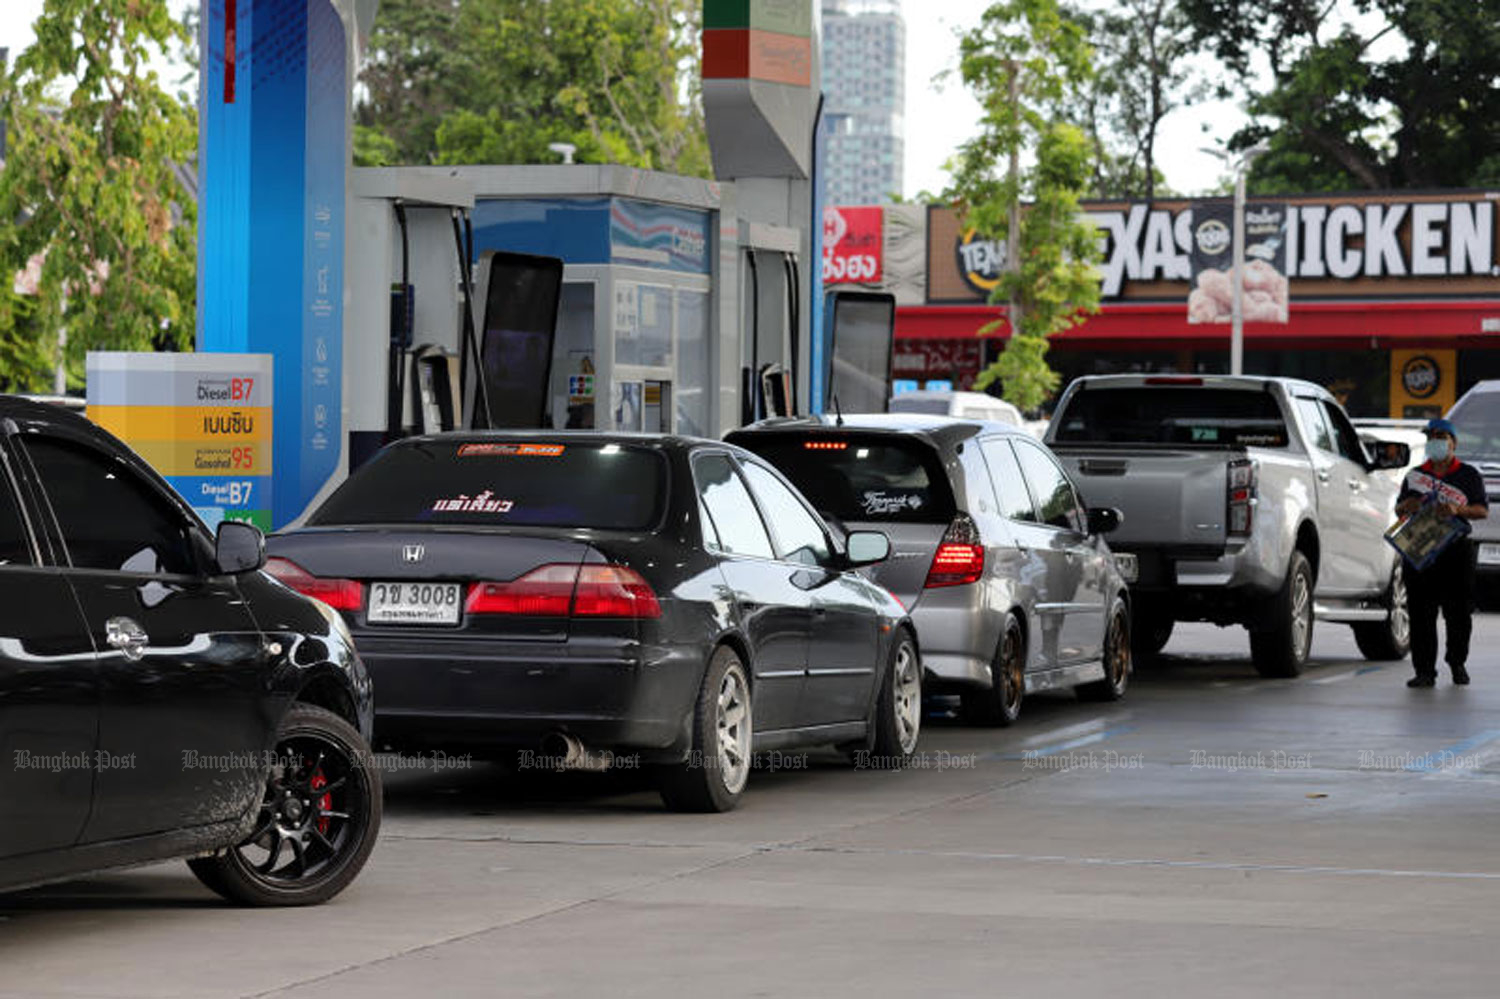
x,y
315,801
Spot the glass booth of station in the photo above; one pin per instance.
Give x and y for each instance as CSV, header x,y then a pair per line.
x,y
634,346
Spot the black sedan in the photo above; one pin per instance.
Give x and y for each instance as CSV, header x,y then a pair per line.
x,y
159,696
591,598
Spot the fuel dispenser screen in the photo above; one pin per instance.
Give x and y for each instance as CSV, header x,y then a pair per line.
x,y
520,322
864,327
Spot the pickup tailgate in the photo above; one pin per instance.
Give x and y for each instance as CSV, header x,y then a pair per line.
x,y
1174,498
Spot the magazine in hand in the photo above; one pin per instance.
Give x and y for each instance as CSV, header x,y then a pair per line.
x,y
1421,537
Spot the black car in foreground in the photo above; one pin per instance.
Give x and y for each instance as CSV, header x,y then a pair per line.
x,y
159,696
597,598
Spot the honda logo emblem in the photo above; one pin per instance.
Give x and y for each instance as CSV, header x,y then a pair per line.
x,y
412,553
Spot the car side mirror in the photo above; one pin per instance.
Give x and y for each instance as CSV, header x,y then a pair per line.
x,y
239,547
867,548
1104,519
1390,454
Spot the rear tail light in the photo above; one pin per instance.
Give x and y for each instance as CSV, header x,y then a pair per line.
x,y
563,590
340,594
543,592
1243,477
960,555
613,591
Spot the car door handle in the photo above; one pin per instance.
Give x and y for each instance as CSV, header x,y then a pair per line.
x,y
1356,485
129,638
1323,475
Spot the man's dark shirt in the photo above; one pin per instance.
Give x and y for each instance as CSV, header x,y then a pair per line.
x,y
1462,485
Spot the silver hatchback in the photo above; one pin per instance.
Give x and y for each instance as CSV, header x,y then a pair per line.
x,y
1004,571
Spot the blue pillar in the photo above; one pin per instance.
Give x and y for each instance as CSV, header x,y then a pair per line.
x,y
273,163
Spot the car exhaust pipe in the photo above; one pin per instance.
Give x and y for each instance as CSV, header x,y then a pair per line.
x,y
565,751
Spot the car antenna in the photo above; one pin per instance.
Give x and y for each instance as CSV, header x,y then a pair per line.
x,y
838,413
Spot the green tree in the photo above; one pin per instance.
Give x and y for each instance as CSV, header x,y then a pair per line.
x,y
91,188
1024,62
1408,99
499,81
410,78
1142,73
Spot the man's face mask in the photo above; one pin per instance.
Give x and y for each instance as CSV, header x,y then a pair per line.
x,y
1438,448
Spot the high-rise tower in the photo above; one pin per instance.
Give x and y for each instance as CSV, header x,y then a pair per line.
x,y
864,80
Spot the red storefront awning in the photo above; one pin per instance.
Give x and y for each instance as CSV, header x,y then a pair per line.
x,y
1139,324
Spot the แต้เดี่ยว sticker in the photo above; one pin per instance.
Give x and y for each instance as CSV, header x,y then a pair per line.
x,y
510,450
483,503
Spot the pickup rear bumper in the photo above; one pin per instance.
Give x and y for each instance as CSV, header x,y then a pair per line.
x,y
1197,585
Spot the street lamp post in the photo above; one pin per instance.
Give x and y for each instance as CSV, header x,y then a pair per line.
x,y
1236,281
1237,266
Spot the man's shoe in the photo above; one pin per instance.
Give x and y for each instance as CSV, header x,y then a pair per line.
x,y
1460,676
1422,681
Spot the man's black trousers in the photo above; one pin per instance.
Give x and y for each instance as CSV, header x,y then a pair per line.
x,y
1447,585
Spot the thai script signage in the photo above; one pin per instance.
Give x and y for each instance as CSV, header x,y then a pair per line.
x,y
203,421
853,245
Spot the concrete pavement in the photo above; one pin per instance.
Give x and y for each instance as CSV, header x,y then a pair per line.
x,y
1212,835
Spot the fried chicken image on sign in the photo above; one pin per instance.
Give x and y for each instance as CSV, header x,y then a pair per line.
x,y
1210,302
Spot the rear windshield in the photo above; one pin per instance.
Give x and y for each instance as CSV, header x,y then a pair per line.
x,y
856,478
503,484
1166,415
1478,420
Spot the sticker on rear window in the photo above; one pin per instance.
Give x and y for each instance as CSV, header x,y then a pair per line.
x,y
483,503
881,503
510,450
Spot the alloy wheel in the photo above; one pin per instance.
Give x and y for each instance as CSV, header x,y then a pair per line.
x,y
1301,616
733,725
908,689
1400,614
1012,673
305,827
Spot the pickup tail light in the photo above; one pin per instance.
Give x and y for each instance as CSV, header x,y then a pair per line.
x,y
568,590
960,555
1243,477
340,594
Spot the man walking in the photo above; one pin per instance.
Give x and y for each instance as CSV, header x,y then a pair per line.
x,y
1447,584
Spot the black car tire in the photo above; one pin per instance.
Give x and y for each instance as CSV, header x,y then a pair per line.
x,y
1280,648
1388,640
341,765
1117,660
897,720
1000,704
1150,631
703,782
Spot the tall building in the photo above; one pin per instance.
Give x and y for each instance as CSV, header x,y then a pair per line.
x,y
864,83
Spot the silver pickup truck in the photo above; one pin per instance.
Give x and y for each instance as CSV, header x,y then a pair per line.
x,y
1247,501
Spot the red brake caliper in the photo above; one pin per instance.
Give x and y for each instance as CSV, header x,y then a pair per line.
x,y
325,803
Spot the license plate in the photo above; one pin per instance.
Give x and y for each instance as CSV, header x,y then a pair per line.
x,y
1129,567
414,603
1489,554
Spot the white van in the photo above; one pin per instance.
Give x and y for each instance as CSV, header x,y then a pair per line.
x,y
965,405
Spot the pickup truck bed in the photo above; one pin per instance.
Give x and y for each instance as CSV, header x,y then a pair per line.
x,y
1246,501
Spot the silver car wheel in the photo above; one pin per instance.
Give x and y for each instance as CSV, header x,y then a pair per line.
x,y
908,686
1301,616
733,725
